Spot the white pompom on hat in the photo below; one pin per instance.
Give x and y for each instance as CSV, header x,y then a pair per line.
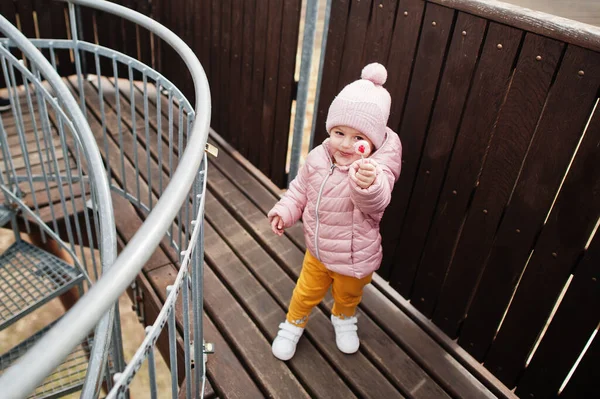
x,y
363,105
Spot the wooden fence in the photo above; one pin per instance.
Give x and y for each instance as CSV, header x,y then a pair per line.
x,y
247,48
492,105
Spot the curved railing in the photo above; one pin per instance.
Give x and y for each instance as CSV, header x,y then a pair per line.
x,y
51,103
168,212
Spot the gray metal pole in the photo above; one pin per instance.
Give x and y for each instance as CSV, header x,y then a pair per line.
x,y
303,85
323,47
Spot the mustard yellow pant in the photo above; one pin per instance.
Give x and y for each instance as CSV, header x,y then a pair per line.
x,y
313,283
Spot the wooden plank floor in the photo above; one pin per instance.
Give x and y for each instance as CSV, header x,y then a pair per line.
x,y
249,278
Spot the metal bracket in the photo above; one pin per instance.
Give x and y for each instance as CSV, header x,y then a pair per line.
x,y
208,349
212,150
138,302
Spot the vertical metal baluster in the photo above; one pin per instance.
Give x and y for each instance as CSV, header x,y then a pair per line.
x,y
186,335
159,135
180,134
48,142
134,131
18,115
73,200
61,134
75,39
120,125
188,227
8,162
9,166
151,368
117,341
173,347
198,277
37,143
147,130
171,153
103,115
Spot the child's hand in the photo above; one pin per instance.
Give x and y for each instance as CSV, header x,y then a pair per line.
x,y
277,225
365,174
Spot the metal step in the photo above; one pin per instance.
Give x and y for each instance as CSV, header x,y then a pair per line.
x,y
67,378
30,277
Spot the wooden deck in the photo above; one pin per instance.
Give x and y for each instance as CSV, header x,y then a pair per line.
x,y
249,278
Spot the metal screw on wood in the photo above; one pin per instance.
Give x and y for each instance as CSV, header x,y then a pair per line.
x,y
554,255
485,211
427,172
433,23
454,192
406,13
380,5
581,73
539,58
464,33
518,230
499,46
594,279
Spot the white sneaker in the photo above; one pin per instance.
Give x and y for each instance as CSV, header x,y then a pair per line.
x,y
346,337
284,344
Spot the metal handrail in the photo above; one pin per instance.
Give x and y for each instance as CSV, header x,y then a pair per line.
x,y
31,369
97,176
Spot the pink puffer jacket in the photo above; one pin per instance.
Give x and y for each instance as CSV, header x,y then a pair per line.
x,y
341,220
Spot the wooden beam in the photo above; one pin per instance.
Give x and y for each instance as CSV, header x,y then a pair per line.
x,y
552,26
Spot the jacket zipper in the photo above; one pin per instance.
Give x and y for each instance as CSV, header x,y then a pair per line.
x,y
317,211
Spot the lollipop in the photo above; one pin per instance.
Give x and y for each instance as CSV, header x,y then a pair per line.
x,y
363,148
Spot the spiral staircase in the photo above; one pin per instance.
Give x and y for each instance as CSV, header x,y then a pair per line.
x,y
57,179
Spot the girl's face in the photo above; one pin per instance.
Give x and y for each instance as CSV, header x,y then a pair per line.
x,y
341,141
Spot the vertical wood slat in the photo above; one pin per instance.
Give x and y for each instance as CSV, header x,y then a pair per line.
x,y
285,83
258,75
458,73
86,31
129,38
514,130
331,65
202,33
429,63
233,106
559,129
492,79
223,55
356,31
106,27
572,218
378,36
508,256
144,41
274,23
24,9
215,63
584,381
403,51
570,330
405,38
7,10
116,38
246,104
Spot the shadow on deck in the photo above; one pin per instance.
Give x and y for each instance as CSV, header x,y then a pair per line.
x,y
249,278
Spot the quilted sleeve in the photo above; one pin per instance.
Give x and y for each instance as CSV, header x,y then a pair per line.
x,y
372,201
291,205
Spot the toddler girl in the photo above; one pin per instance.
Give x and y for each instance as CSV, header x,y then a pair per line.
x,y
341,199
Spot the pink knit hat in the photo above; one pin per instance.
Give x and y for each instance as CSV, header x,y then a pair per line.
x,y
363,105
